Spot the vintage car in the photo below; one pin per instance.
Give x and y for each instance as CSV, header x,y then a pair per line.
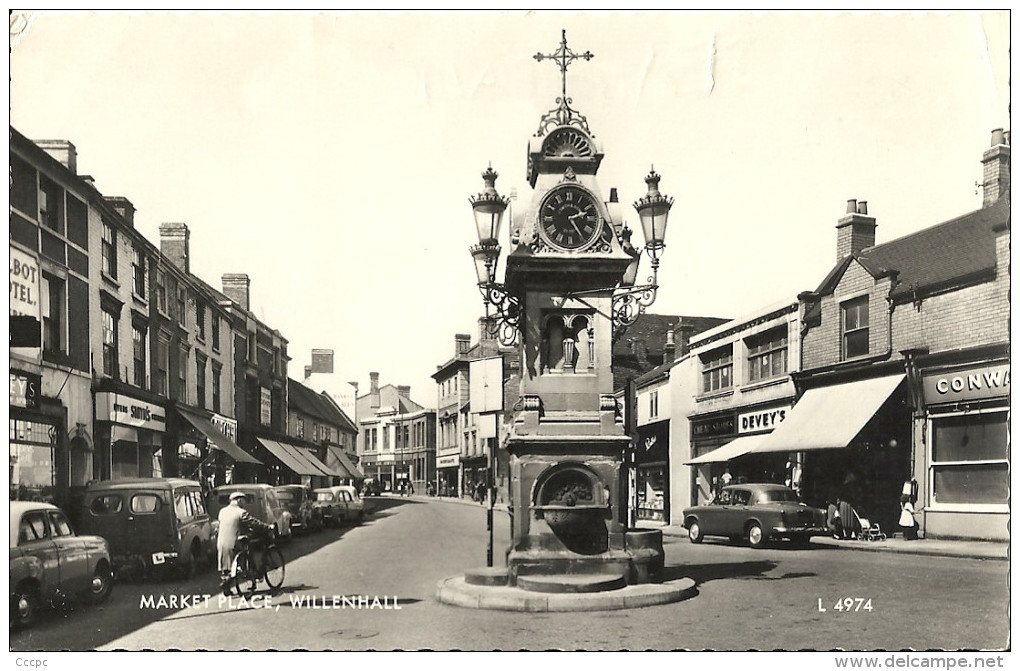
x,y
757,513
260,501
49,561
300,503
151,523
339,504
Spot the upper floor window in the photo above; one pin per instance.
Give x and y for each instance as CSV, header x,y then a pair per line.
x,y
162,365
138,272
182,310
200,380
161,291
216,373
854,326
54,311
139,358
51,199
717,369
109,250
200,319
215,331
653,404
182,375
766,354
109,344
300,427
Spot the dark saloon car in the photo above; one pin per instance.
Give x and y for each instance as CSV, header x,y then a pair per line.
x,y
50,561
299,501
757,513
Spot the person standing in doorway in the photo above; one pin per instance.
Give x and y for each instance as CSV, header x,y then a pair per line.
x,y
908,524
726,477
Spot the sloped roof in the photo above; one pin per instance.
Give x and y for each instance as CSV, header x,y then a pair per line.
x,y
942,255
340,417
307,401
641,347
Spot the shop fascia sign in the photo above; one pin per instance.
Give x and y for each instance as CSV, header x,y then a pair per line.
x,y
25,389
121,409
226,425
970,384
762,420
446,462
716,426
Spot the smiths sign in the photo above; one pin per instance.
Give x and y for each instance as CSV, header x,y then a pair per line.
x,y
967,385
128,411
25,389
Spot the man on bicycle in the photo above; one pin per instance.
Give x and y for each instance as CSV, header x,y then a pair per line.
x,y
234,520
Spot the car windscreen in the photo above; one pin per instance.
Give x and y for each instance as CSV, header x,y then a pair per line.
x,y
777,495
284,496
324,496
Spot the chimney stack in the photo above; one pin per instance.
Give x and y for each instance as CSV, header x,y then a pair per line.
x,y
61,150
684,330
374,389
404,391
669,351
173,242
855,231
308,372
484,326
126,210
996,167
237,288
462,343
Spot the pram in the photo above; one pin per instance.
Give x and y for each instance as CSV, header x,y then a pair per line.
x,y
869,531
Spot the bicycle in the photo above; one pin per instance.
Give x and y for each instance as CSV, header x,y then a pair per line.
x,y
253,564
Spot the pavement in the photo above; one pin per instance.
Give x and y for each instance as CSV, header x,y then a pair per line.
x,y
935,547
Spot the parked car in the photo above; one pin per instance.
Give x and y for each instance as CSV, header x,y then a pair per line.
x,y
757,513
371,487
339,504
151,523
49,561
260,501
300,503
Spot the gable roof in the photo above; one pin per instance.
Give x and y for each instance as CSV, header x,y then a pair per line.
x,y
641,347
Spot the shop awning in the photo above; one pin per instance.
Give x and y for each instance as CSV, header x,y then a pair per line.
x,y
345,461
304,455
830,417
731,450
299,466
217,439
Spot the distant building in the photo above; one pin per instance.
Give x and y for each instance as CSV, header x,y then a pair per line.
x,y
389,447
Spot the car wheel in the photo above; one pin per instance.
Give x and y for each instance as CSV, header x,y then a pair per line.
x,y
694,532
24,607
194,561
102,584
755,535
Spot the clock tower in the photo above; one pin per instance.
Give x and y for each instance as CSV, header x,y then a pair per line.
x,y
569,258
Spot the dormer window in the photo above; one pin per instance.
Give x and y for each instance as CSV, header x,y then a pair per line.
x,y
854,324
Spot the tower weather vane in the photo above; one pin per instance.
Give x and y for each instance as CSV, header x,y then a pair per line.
x,y
564,56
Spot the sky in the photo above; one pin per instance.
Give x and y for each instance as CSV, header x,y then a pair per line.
x,y
330,156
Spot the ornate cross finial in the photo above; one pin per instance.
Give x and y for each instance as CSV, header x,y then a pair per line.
x,y
564,56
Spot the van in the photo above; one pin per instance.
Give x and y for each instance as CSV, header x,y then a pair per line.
x,y
261,503
151,523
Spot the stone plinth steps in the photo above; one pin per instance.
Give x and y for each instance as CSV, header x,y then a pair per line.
x,y
487,588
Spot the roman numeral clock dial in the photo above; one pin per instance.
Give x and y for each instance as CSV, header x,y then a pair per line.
x,y
569,217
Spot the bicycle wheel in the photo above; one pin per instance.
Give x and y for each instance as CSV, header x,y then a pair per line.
x,y
244,578
273,567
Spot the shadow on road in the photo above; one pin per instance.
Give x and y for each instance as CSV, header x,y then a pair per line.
x,y
702,573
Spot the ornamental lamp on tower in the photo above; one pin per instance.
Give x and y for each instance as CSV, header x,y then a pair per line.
x,y
488,207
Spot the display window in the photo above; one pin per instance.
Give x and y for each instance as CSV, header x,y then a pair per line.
x,y
969,459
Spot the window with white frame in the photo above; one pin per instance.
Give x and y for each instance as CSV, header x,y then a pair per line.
x,y
216,375
717,369
139,354
138,272
109,247
54,314
854,327
969,458
653,404
300,429
109,344
767,354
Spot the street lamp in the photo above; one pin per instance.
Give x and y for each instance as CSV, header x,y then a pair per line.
x,y
488,208
630,300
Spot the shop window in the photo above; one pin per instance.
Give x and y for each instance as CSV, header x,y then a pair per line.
x,y
717,369
106,504
138,272
138,357
109,344
854,324
109,247
142,504
767,354
31,461
969,459
54,313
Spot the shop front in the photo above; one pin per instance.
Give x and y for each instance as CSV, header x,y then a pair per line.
x,y
475,476
34,437
964,452
651,462
848,441
205,449
129,436
448,474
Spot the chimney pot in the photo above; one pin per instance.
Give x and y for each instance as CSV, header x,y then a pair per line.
x,y
855,231
995,167
862,207
851,206
998,137
613,197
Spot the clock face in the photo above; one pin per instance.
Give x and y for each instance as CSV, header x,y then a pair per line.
x,y
569,217
567,143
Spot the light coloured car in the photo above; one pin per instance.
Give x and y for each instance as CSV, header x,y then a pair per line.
x,y
50,561
338,504
260,501
756,513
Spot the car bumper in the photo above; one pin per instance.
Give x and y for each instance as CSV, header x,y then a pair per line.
x,y
787,532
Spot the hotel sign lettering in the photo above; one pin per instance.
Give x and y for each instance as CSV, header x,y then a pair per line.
x,y
980,382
